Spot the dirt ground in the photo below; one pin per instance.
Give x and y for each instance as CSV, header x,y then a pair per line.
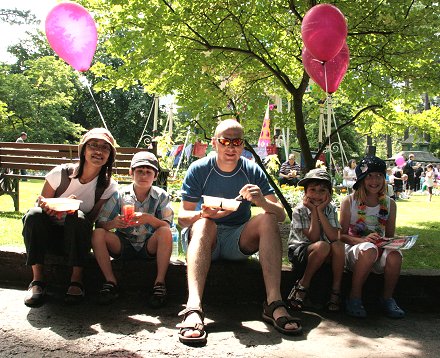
x,y
130,329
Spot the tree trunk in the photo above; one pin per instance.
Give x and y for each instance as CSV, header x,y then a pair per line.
x,y
301,133
389,146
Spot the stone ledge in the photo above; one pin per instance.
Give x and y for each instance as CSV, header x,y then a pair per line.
x,y
229,282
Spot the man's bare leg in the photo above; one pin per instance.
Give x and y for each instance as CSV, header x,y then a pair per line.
x,y
203,238
262,233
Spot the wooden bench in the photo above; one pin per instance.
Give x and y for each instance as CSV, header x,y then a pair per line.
x,y
39,158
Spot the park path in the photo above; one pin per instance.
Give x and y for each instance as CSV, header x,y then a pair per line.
x,y
130,329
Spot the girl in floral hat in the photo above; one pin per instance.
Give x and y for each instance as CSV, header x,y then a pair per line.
x,y
367,216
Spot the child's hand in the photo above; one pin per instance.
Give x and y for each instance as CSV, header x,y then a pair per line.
x,y
324,204
373,237
138,218
119,222
308,203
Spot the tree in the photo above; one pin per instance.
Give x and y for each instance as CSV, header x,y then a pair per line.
x,y
37,101
225,58
125,111
17,17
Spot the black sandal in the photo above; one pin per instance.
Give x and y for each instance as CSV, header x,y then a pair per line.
x,y
334,303
36,299
72,299
281,322
158,297
294,300
186,326
109,293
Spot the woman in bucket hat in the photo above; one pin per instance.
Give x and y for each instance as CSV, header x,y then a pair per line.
x,y
367,216
69,232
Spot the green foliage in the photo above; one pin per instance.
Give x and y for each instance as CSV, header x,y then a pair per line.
x,y
37,101
272,164
17,17
225,58
164,146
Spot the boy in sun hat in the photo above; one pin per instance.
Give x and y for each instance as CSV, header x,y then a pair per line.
x,y
145,234
314,238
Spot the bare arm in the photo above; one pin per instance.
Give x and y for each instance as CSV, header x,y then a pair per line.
x,y
139,218
188,214
319,220
268,203
345,223
390,227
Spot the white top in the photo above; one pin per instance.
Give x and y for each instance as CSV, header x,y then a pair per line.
x,y
429,178
84,192
349,176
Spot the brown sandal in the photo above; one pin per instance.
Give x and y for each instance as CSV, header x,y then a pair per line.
x,y
186,326
281,322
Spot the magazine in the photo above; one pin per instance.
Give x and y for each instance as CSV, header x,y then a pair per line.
x,y
397,242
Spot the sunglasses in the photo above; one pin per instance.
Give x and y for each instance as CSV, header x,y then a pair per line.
x,y
236,142
99,147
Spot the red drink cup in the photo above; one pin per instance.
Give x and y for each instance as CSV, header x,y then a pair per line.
x,y
128,211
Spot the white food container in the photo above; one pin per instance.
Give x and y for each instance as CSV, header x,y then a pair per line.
x,y
220,203
62,204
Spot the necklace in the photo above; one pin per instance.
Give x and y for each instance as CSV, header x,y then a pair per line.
x,y
360,227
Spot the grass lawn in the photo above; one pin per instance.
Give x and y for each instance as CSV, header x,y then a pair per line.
x,y
414,216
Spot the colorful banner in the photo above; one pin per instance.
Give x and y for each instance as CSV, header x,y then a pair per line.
x,y
264,140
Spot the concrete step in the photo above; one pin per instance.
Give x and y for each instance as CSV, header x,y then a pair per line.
x,y
227,281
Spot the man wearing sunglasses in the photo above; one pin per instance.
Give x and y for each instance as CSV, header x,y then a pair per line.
x,y
212,233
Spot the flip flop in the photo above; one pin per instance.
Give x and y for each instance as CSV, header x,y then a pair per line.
x,y
185,326
281,322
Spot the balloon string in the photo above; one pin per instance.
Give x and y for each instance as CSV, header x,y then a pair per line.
x,y
84,81
325,77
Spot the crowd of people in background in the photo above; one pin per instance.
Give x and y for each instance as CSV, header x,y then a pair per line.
x,y
412,177
402,180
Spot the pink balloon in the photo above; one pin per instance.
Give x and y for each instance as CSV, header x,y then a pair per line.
x,y
324,31
71,32
334,69
400,161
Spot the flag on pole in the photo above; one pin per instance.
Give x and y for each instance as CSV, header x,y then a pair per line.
x,y
264,140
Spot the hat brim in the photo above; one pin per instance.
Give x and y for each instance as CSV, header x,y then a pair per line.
x,y
144,164
304,181
359,180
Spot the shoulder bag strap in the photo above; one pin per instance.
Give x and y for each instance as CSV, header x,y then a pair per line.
x,y
66,172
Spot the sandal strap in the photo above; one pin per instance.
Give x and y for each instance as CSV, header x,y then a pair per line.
x,y
269,309
76,284
184,326
159,290
109,287
187,311
37,283
297,287
285,320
